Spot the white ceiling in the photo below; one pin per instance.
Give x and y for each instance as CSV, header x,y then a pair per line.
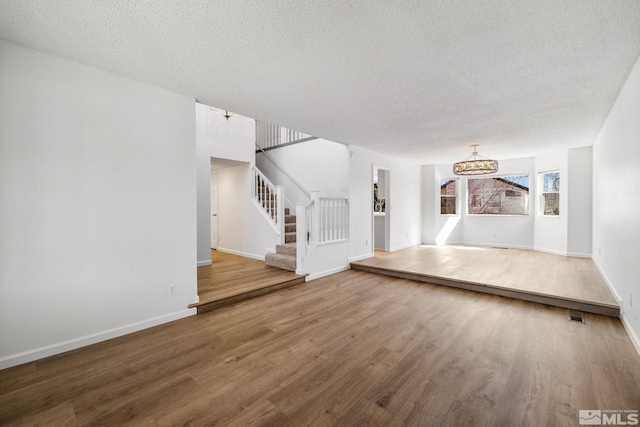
x,y
420,80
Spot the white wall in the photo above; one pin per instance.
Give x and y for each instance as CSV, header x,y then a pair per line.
x,y
616,200
444,229
97,205
551,232
378,231
580,201
327,259
503,231
241,228
405,201
232,139
317,165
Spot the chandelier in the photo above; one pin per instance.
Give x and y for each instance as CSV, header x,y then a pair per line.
x,y
477,166
225,114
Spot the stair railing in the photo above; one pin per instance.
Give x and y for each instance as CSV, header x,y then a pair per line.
x,y
270,136
287,174
321,221
269,199
334,220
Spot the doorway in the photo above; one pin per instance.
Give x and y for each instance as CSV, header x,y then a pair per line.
x,y
381,211
214,209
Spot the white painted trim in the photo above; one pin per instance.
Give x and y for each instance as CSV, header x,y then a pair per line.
x,y
244,254
265,215
627,326
399,248
499,245
578,255
72,344
608,283
203,263
551,251
332,242
623,318
327,272
359,257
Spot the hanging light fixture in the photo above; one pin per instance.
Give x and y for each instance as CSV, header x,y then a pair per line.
x,y
225,114
477,166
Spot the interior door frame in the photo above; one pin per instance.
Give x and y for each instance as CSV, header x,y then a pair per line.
x,y
213,211
387,210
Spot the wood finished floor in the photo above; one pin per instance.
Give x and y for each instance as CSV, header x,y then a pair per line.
x,y
349,349
516,269
231,275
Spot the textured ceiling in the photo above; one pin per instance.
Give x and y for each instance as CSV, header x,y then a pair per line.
x,y
418,80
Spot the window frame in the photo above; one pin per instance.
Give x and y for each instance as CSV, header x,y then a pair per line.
x,y
542,192
527,197
455,196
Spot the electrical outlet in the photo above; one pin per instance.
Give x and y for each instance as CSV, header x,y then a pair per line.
x,y
495,234
630,300
366,243
171,290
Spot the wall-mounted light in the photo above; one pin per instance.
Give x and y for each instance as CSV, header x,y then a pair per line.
x,y
224,113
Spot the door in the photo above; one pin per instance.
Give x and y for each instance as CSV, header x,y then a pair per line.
x,y
214,210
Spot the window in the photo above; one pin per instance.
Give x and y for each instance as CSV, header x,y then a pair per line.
x,y
550,194
503,195
448,196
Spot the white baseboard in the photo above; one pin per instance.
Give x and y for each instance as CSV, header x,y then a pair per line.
x,y
359,257
244,254
399,248
550,251
203,263
498,245
623,318
327,272
72,344
578,255
627,326
608,283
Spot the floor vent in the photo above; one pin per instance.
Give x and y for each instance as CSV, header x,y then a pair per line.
x,y
576,316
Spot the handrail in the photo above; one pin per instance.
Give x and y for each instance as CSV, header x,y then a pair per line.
x,y
269,199
297,184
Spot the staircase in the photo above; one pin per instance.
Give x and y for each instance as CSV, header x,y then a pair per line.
x,y
285,255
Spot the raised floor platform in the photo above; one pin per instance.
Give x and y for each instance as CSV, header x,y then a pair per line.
x,y
232,278
556,280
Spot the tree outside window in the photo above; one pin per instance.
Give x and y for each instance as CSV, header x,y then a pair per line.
x,y
550,194
503,195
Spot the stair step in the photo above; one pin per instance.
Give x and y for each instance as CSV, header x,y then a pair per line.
x,y
286,211
285,262
288,219
289,237
290,228
206,306
287,249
